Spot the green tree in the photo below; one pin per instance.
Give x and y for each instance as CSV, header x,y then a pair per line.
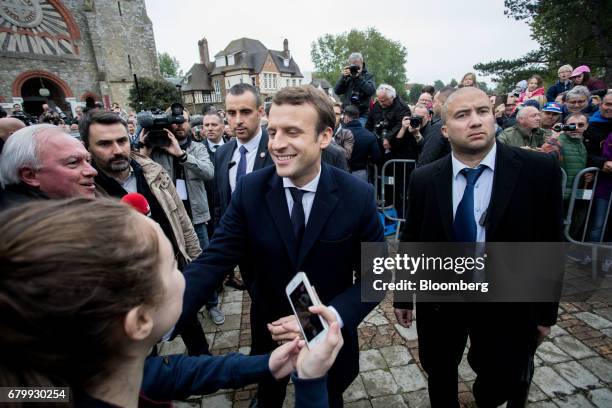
x,y
453,82
155,93
415,92
438,84
384,58
169,66
572,32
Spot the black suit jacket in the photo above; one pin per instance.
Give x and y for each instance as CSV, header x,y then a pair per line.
x,y
526,205
256,230
222,161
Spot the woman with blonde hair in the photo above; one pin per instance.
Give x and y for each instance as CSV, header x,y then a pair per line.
x,y
468,79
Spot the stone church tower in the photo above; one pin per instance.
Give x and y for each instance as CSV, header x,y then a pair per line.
x,y
71,53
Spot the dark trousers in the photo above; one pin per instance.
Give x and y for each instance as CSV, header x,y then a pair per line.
x,y
502,345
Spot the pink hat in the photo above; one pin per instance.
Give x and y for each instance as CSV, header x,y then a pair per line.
x,y
580,70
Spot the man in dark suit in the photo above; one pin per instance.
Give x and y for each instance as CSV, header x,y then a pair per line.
x,y
246,152
213,139
301,215
505,189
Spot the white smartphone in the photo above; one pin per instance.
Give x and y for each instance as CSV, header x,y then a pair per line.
x,y
301,297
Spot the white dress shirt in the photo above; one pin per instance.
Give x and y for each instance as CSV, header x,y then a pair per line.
x,y
307,198
482,189
251,146
212,145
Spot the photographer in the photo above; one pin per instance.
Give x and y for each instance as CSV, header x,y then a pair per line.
x,y
18,113
357,85
385,119
410,138
189,166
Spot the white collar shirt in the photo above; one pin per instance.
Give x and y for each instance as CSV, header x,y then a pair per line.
x,y
251,146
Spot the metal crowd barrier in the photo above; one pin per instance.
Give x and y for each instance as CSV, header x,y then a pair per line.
x,y
391,187
587,195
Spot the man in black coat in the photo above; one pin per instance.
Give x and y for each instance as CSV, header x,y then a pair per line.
x,y
512,185
356,85
385,119
365,148
436,145
213,139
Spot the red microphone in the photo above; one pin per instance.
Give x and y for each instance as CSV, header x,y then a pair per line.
x,y
138,202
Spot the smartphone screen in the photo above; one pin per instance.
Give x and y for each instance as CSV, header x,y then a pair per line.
x,y
310,322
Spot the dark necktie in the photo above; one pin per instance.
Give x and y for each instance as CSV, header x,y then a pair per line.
x,y
298,218
242,164
215,147
464,226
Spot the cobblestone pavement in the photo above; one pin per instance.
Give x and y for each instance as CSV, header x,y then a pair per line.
x,y
573,367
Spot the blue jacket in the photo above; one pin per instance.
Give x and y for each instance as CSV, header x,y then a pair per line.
x,y
177,377
365,148
557,89
256,230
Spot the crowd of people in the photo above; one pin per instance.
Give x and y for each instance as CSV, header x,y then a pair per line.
x,y
91,285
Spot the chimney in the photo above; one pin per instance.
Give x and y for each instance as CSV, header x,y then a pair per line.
x,y
286,49
203,47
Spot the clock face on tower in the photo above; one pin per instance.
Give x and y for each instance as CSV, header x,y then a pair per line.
x,y
36,27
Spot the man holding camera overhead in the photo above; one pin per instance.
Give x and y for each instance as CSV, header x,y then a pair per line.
x,y
356,85
189,166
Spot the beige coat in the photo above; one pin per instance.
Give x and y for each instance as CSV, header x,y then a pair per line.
x,y
163,189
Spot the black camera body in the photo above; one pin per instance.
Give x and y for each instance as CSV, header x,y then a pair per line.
x,y
354,70
381,128
22,116
415,121
156,121
564,128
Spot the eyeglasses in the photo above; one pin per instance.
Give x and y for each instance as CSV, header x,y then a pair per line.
x,y
578,102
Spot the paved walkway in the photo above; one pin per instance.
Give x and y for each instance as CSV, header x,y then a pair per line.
x,y
574,366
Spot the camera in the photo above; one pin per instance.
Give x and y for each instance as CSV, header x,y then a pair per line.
x,y
156,121
26,119
564,128
415,121
381,128
354,70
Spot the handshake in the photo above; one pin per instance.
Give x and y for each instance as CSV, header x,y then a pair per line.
x,y
294,354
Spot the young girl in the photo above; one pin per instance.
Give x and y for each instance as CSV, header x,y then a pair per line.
x,y
87,288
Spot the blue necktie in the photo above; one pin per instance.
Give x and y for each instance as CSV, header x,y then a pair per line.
x,y
298,218
242,164
464,226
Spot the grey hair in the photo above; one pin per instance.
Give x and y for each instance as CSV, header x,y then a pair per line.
x,y
355,56
21,150
387,90
523,111
566,67
578,91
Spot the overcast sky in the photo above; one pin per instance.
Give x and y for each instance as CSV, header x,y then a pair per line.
x,y
444,38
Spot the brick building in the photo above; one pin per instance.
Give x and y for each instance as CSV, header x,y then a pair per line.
x,y
73,52
243,61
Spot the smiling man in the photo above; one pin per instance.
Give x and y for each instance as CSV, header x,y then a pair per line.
x,y
301,215
41,162
483,192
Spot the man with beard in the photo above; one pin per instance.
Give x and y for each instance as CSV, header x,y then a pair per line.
x,y
120,172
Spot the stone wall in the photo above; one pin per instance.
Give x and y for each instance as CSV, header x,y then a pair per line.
x,y
102,66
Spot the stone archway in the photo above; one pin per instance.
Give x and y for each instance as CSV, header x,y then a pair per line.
x,y
27,85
